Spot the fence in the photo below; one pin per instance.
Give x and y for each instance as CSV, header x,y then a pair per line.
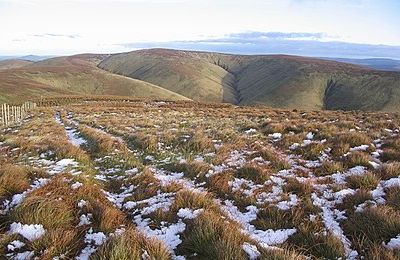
x,y
13,114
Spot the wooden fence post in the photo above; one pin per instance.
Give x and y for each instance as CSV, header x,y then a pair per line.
x,y
2,115
13,114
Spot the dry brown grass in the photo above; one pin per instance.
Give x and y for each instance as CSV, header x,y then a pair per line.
x,y
192,169
353,138
367,181
276,160
329,168
176,132
219,183
52,206
378,252
200,142
101,142
298,188
373,225
254,172
393,197
194,200
147,185
311,240
349,202
56,242
312,151
106,217
358,159
211,237
43,134
389,170
13,179
274,218
131,245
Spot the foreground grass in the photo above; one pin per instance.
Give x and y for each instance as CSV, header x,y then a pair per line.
x,y
221,182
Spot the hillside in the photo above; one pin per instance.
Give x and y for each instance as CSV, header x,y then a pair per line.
x,y
14,63
274,80
279,81
72,76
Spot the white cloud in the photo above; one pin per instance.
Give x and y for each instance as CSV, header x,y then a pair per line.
x,y
99,26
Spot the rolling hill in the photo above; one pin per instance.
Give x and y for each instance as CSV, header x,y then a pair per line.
x,y
72,75
274,80
280,81
13,63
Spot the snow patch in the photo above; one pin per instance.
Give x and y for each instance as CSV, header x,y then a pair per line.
x,y
187,213
30,232
394,243
251,251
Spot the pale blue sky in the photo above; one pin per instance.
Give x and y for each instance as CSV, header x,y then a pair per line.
x,y
67,27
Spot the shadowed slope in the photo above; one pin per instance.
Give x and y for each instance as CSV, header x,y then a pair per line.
x,y
187,73
275,80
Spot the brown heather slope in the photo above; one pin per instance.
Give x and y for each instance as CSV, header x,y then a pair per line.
x,y
73,75
274,80
14,63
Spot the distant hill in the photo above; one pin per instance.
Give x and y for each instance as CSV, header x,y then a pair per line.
x,y
375,63
72,75
14,63
275,80
280,81
26,57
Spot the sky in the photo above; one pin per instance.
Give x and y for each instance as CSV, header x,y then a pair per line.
x,y
52,27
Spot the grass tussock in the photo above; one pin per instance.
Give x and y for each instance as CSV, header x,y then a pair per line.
x,y
13,179
219,183
373,225
60,241
298,188
143,141
351,201
200,142
132,245
312,151
311,240
367,181
277,162
101,142
274,218
254,172
393,197
354,139
329,168
211,237
147,185
52,206
106,217
358,159
194,200
193,169
389,170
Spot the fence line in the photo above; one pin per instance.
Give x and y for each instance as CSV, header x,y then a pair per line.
x,y
13,114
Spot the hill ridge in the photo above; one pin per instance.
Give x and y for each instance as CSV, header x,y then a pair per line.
x,y
276,80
